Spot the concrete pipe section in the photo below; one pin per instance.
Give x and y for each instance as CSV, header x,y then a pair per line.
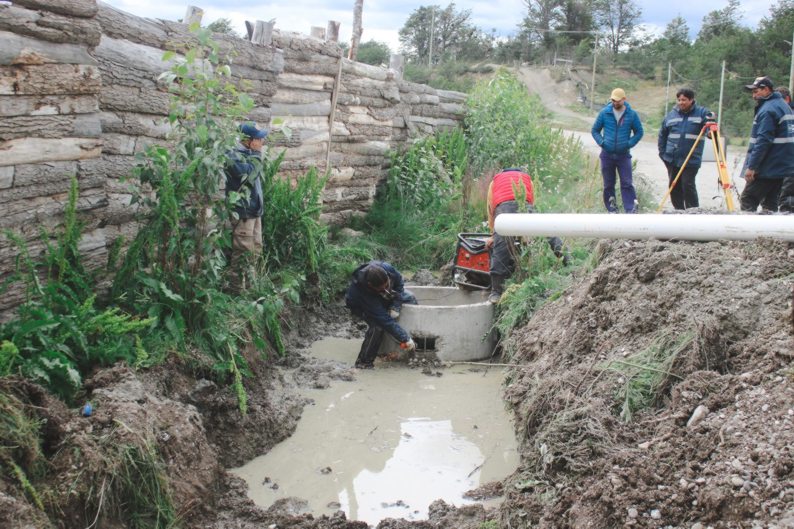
x,y
733,227
451,323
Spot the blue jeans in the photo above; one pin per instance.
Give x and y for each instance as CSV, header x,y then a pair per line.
x,y
613,165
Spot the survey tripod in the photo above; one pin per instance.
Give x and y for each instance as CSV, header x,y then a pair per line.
x,y
713,129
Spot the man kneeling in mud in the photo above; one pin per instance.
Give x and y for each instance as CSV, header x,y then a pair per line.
x,y
376,294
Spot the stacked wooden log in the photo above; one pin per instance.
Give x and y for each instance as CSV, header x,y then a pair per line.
x,y
49,126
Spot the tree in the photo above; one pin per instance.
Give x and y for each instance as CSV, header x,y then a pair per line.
x,y
358,8
444,33
618,18
542,15
373,52
775,33
677,32
721,22
222,25
576,20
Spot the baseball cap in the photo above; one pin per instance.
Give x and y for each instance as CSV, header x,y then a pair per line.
x,y
760,82
249,130
617,94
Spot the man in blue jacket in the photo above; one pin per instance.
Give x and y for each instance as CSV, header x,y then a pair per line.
x,y
243,176
376,294
616,130
677,134
770,154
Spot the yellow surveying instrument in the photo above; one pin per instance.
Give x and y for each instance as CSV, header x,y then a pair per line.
x,y
713,130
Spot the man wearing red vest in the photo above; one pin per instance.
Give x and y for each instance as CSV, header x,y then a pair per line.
x,y
505,191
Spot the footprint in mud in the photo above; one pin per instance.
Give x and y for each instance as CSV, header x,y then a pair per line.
x,y
398,503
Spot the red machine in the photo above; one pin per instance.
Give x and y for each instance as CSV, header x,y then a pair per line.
x,y
472,267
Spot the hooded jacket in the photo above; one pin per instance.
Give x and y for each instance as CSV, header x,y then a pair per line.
x,y
771,149
678,132
374,307
614,137
243,174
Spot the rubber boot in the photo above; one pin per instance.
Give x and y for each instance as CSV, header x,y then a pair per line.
x,y
497,287
369,347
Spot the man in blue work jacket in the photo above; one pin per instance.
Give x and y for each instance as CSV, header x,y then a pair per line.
x,y
770,154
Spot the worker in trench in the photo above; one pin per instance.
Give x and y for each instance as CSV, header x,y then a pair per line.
x,y
510,191
376,294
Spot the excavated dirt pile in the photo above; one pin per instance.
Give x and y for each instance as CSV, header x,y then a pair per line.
x,y
657,391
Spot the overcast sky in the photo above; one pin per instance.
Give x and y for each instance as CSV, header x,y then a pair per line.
x,y
382,19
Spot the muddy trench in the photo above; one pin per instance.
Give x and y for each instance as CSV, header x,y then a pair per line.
x,y
713,448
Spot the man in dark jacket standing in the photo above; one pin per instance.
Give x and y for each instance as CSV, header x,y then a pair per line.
x,y
616,130
243,177
376,294
677,134
770,155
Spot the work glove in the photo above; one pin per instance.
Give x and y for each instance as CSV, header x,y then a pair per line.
x,y
410,345
394,313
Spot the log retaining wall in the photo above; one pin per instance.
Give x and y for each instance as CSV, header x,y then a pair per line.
x,y
79,96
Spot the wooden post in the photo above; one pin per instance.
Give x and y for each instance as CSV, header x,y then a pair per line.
x,y
331,117
318,32
397,63
263,33
193,15
332,31
358,8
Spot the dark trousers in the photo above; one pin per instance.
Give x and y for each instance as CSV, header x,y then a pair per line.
x,y
763,191
612,167
369,348
685,193
504,250
787,195
375,334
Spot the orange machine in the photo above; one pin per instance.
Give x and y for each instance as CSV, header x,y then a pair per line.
x,y
472,267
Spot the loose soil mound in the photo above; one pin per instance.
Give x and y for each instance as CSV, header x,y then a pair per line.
x,y
713,444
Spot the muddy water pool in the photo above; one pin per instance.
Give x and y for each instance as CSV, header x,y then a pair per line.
x,y
389,443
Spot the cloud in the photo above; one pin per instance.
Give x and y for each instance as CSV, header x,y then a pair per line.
x,y
382,19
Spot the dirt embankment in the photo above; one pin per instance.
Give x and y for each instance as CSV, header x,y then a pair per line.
x,y
715,448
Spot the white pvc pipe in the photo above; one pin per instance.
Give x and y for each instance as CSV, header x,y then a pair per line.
x,y
733,227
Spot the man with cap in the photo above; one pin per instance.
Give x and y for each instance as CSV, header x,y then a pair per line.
x,y
243,176
770,154
616,130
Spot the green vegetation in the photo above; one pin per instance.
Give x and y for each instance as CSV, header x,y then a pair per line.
x,y
20,446
60,334
137,488
645,376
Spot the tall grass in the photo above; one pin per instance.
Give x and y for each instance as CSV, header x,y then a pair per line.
x,y
418,214
645,376
507,127
21,456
